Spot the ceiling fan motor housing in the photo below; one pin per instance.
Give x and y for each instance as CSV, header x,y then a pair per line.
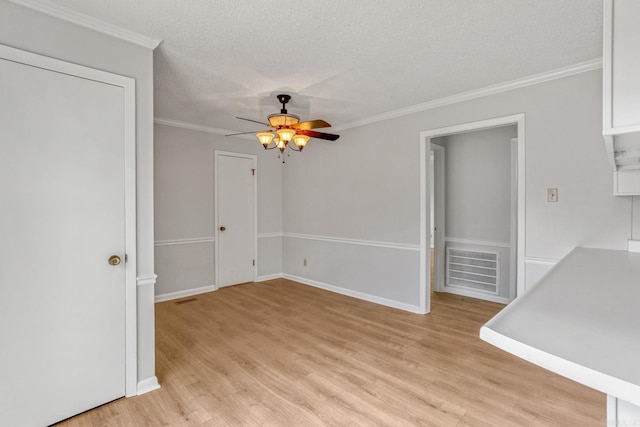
x,y
283,120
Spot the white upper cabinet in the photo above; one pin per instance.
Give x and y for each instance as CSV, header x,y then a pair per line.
x,y
624,60
621,118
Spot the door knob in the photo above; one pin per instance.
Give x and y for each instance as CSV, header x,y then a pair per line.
x,y
223,228
114,260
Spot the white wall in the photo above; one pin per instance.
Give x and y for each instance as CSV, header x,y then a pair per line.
x,y
351,207
184,200
362,188
73,43
478,184
365,186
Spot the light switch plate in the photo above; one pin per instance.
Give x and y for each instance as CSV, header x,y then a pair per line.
x,y
552,194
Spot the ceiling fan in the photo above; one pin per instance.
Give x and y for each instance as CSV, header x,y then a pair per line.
x,y
287,127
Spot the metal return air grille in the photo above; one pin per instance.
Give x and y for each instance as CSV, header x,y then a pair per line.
x,y
473,270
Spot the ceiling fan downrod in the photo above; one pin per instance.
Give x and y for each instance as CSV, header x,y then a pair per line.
x,y
284,98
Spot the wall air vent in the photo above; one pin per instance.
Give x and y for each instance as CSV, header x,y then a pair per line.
x,y
479,271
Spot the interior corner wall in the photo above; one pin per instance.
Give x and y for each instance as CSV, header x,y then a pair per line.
x,y
184,200
79,45
351,207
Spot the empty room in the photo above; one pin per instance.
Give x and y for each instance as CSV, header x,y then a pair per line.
x,y
319,213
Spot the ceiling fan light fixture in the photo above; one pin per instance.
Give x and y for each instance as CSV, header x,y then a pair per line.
x,y
265,138
286,134
280,144
300,141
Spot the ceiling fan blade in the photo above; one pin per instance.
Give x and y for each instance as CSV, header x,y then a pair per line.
x,y
319,135
254,121
252,131
312,124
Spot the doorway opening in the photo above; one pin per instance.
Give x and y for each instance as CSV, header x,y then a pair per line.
x,y
472,238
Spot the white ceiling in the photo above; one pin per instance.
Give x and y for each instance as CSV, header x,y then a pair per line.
x,y
344,61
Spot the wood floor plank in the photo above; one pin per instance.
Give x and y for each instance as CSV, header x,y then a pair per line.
x,y
279,353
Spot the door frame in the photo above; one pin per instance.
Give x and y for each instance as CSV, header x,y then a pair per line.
x,y
439,154
254,159
513,232
425,220
129,88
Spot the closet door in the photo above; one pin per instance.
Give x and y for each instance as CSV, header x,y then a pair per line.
x,y
62,244
235,218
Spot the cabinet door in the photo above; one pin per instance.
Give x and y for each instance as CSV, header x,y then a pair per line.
x,y
625,63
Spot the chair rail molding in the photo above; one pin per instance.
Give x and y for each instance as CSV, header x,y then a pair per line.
x,y
208,239
374,243
477,242
146,280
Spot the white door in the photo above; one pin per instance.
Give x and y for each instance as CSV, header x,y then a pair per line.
x,y
62,215
236,233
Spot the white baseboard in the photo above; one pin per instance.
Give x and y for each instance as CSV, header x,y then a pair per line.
x,y
269,277
147,385
355,294
344,291
478,295
187,293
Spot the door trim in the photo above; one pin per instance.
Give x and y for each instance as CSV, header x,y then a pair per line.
x,y
254,159
425,149
129,88
513,233
439,215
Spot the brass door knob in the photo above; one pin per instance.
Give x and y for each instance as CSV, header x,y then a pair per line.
x,y
114,260
223,228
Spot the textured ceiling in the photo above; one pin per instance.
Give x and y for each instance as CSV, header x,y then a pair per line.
x,y
344,61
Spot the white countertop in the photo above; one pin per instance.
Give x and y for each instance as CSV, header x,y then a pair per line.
x,y
581,321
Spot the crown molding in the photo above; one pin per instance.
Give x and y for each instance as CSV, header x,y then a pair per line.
x,y
199,128
558,73
88,21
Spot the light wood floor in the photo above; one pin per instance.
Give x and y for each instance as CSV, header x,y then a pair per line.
x,y
284,354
